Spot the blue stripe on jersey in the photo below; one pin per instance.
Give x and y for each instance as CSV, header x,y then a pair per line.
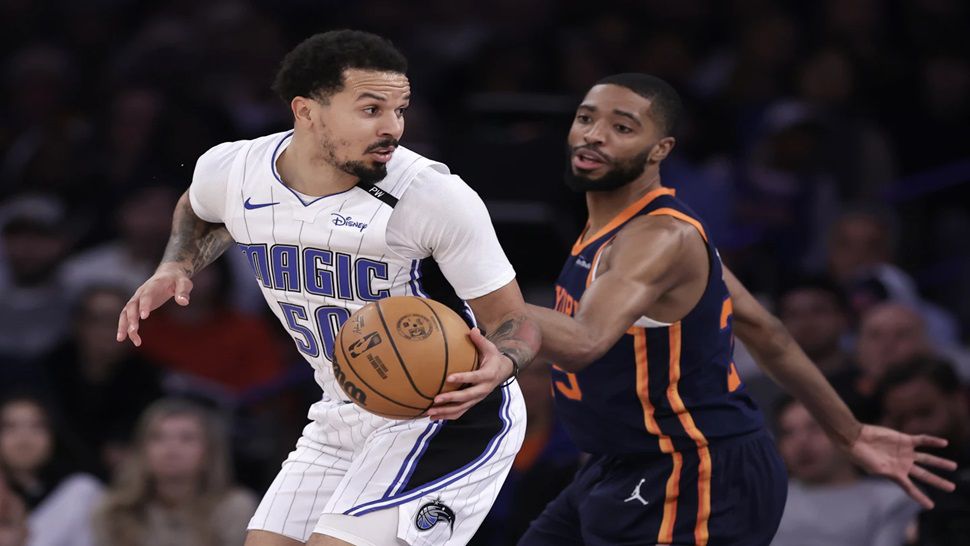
x,y
657,389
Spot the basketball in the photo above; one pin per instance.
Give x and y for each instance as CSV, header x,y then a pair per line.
x,y
392,356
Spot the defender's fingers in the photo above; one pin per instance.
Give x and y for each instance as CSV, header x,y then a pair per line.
x,y
914,492
933,460
925,440
932,479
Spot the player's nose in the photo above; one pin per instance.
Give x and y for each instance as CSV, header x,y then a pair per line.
x,y
593,134
391,126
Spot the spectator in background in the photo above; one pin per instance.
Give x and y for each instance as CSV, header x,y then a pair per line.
x,y
889,334
829,504
144,221
544,466
100,385
33,309
816,312
39,466
176,487
860,257
203,339
924,396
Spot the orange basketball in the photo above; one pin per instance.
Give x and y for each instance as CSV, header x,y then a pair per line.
x,y
392,356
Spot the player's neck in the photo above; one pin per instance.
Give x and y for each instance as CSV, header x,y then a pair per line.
x,y
604,206
304,169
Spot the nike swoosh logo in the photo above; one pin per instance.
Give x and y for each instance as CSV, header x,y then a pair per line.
x,y
252,206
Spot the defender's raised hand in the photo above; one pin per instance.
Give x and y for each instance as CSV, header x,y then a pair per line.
x,y
886,452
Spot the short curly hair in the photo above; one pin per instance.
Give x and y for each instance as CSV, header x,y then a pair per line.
x,y
665,103
315,68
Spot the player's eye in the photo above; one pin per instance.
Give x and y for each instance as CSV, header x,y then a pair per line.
x,y
583,118
622,129
370,110
400,111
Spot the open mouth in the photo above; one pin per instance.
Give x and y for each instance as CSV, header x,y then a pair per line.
x,y
587,159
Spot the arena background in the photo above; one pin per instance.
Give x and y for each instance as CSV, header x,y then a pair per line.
x,y
824,143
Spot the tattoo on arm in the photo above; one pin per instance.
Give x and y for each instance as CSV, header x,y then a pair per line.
x,y
194,243
518,336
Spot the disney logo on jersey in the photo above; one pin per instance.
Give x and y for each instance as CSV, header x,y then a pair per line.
x,y
364,344
581,262
432,513
341,220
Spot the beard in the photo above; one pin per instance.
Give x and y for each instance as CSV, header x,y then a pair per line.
x,y
620,173
368,172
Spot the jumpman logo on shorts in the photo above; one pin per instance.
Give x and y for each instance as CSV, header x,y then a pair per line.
x,y
636,493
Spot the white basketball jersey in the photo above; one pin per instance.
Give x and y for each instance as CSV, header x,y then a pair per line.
x,y
317,260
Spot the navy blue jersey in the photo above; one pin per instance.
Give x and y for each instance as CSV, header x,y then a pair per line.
x,y
660,388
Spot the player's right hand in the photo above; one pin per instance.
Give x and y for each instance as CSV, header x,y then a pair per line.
x,y
168,281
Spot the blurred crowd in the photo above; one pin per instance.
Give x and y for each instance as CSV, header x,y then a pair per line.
x,y
820,143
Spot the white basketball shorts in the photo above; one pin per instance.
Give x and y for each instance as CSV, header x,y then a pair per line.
x,y
442,476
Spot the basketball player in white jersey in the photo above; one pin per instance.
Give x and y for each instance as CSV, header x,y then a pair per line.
x,y
332,215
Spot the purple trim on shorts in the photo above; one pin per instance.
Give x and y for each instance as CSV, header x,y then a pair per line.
x,y
411,460
447,479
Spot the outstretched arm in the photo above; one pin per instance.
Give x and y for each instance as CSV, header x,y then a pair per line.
x,y
512,335
878,450
193,244
638,275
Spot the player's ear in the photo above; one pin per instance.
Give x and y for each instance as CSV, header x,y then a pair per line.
x,y
301,107
662,149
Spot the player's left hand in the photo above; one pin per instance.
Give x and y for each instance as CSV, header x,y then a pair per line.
x,y
495,369
885,452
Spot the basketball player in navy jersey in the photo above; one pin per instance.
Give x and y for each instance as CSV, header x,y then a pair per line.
x,y
332,215
644,380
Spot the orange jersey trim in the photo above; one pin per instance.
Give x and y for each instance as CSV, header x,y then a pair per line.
x,y
620,218
596,261
680,216
704,454
643,391
671,495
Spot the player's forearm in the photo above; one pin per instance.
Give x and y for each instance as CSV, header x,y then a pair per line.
x,y
518,336
777,353
194,243
565,342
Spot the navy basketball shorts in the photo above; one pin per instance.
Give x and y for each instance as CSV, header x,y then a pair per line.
x,y
729,493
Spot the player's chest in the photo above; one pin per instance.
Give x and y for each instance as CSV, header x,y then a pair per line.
x,y
344,224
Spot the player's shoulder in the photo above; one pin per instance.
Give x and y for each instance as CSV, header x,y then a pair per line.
x,y
225,152
433,184
659,226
